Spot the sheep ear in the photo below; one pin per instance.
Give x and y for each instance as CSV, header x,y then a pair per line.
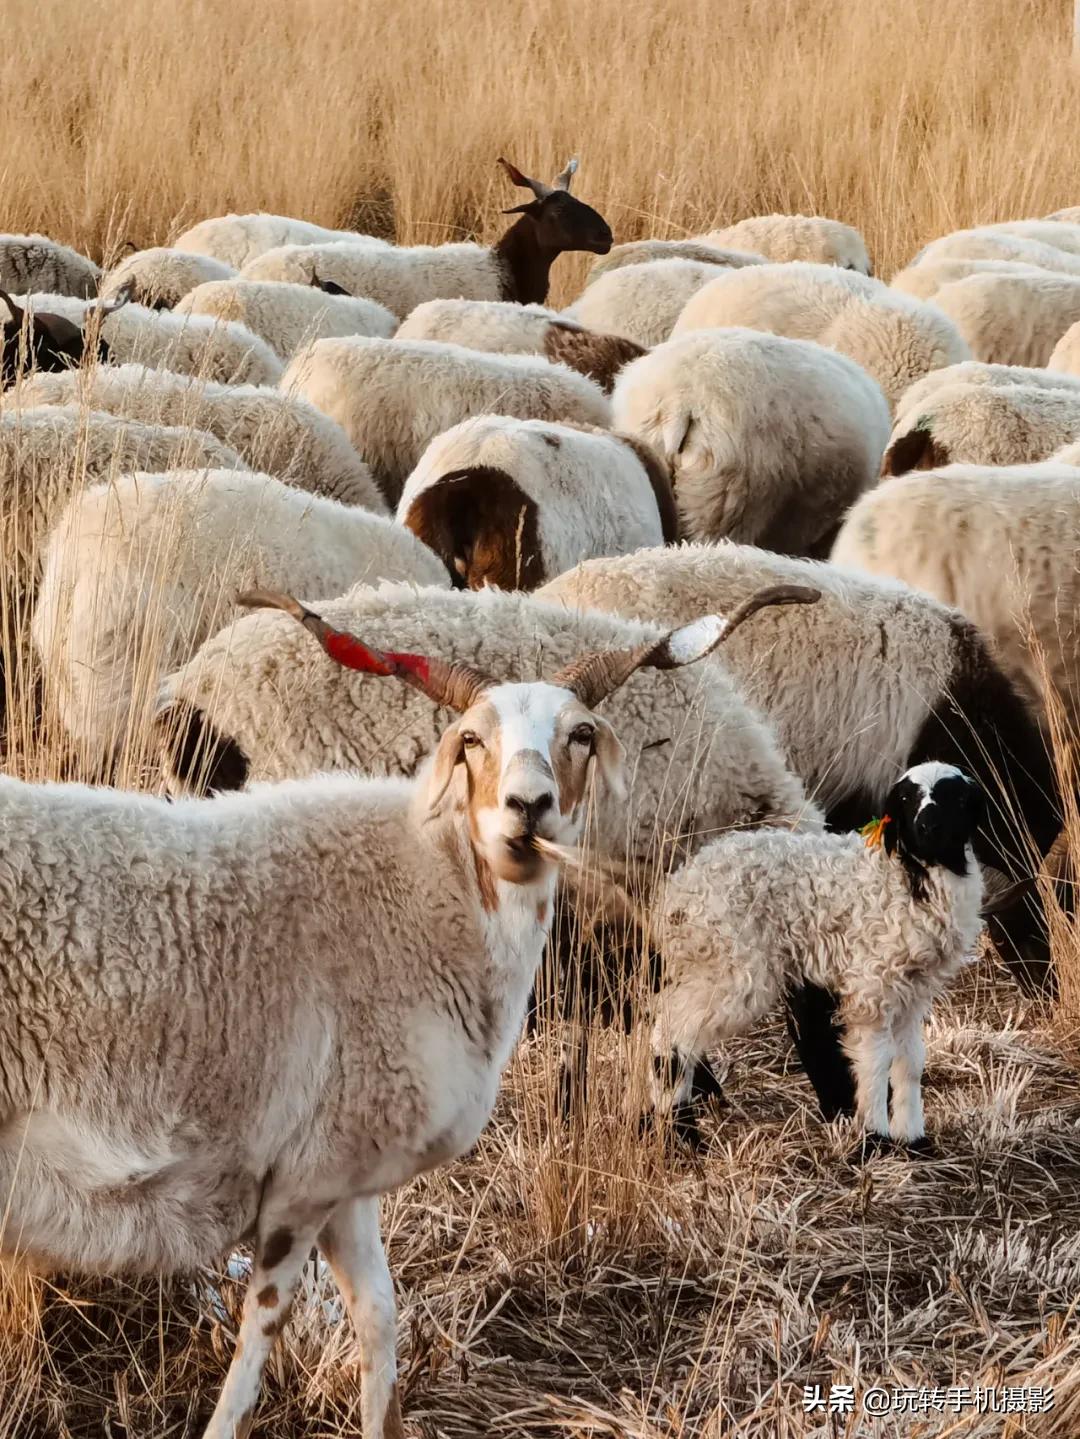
x,y
449,753
532,208
610,759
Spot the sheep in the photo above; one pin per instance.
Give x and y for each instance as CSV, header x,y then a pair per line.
x,y
872,679
517,267
640,252
235,240
1017,530
1070,216
894,338
885,925
370,945
44,339
924,279
288,316
160,277
392,397
1012,319
137,572
975,372
34,262
1058,232
641,302
1064,361
500,327
768,439
512,502
796,237
187,345
984,243
987,424
273,432
1067,455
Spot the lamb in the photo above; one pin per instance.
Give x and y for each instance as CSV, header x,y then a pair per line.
x,y
235,240
796,237
985,424
894,338
40,337
137,574
640,252
371,945
392,397
975,372
769,440
161,277
871,680
500,327
641,302
34,262
277,433
512,502
886,926
923,279
516,268
288,316
1018,530
187,345
1012,319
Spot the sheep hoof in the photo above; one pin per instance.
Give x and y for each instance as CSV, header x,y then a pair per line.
x,y
870,1146
921,1148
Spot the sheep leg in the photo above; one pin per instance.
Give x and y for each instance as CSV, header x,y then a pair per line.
x,y
871,1052
282,1248
353,1248
908,1124
811,1021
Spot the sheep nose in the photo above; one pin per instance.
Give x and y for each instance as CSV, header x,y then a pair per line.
x,y
531,810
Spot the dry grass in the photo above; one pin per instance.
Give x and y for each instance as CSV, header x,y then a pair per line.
x,y
905,117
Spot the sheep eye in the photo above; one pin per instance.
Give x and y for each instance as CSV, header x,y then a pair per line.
x,y
471,740
583,734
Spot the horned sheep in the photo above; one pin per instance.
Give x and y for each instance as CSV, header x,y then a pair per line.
x,y
1012,319
641,302
288,316
894,338
513,502
517,267
500,327
983,424
43,336
34,262
272,432
140,571
769,440
796,237
372,945
392,397
161,277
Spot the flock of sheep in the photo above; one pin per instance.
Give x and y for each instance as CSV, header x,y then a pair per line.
x,y
611,613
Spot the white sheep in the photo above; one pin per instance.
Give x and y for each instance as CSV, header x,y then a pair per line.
x,y
138,572
237,239
986,243
392,397
512,502
983,424
1059,232
894,338
998,543
976,372
163,340
503,328
34,262
796,237
278,433
641,302
371,946
1012,319
288,316
768,439
923,279
1064,361
517,267
886,927
640,252
160,277
872,679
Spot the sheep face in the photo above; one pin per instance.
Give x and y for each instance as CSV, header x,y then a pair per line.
x,y
53,342
560,221
933,811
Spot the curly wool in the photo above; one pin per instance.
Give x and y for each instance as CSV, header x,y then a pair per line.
x,y
1012,319
983,424
922,279
975,372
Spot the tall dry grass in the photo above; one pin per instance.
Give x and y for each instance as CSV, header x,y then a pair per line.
x,y
128,121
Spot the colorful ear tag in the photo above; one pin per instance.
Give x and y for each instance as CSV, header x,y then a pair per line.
x,y
874,832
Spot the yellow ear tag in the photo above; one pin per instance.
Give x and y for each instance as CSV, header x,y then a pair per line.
x,y
874,832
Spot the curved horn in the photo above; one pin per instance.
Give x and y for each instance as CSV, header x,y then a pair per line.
x,y
593,677
565,175
539,189
16,311
123,296
457,686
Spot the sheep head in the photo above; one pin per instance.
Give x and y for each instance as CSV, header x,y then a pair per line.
x,y
560,220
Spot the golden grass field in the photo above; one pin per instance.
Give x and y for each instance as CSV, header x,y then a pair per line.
x,y
588,1282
